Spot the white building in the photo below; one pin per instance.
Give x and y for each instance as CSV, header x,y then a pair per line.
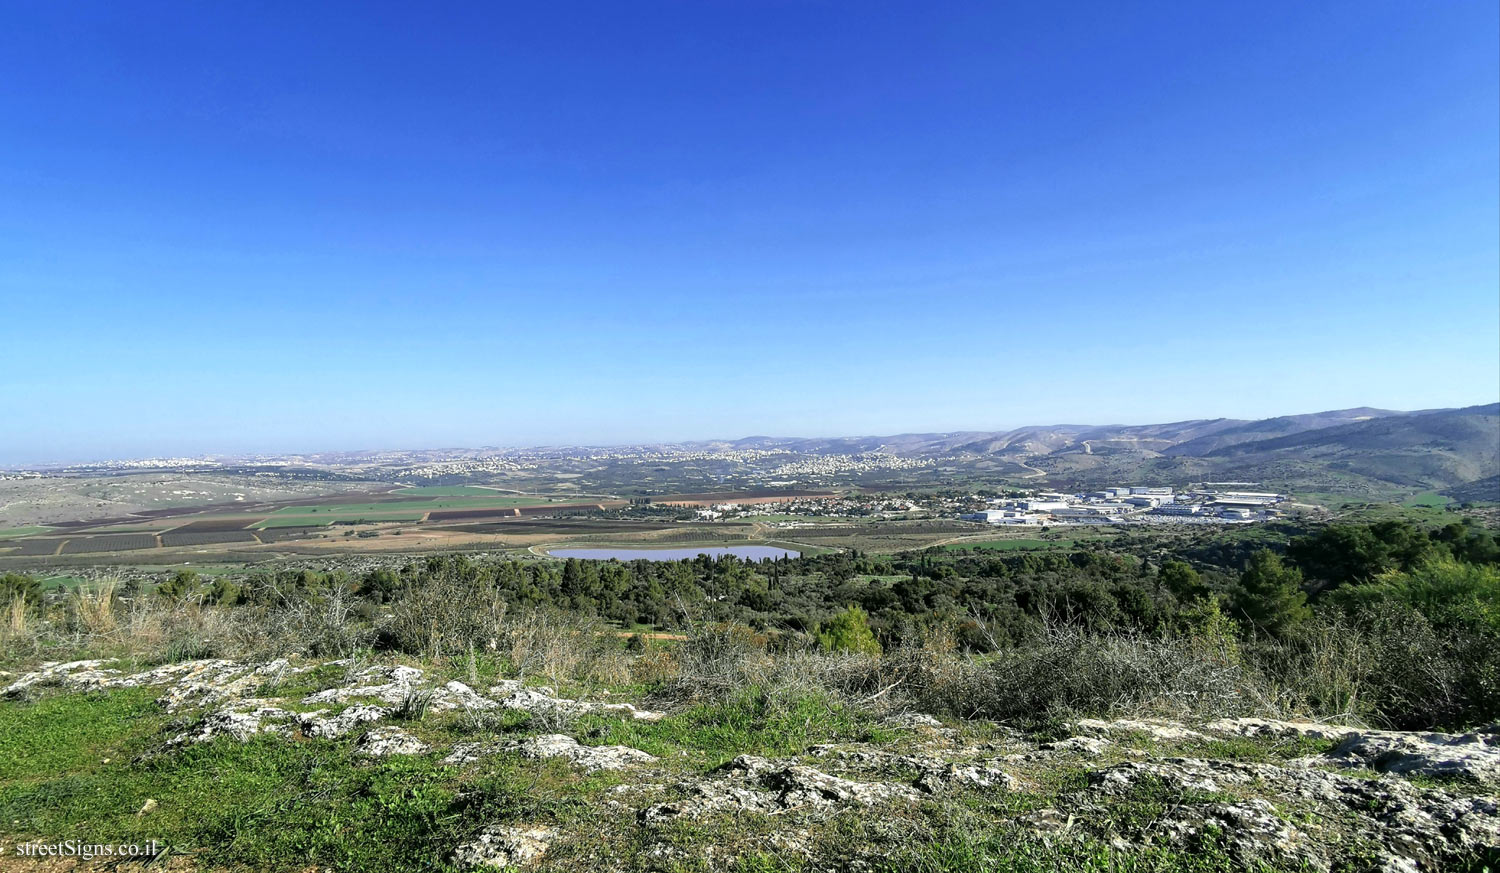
x,y
1244,500
1041,505
1003,516
1162,495
1094,510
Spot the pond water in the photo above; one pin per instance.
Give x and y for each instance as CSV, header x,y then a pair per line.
x,y
753,553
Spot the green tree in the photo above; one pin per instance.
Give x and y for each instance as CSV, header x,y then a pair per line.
x,y
849,631
1182,580
177,588
1341,554
1270,596
1446,591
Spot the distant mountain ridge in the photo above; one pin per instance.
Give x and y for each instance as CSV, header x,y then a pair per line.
x,y
1437,448
1193,437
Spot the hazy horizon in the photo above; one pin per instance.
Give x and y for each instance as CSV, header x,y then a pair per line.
x,y
230,230
467,446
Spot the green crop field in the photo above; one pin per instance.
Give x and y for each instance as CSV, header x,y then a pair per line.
x,y
1427,498
10,532
326,518
444,491
1017,545
494,501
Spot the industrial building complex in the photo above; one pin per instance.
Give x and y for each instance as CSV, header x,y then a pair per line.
x,y
1140,504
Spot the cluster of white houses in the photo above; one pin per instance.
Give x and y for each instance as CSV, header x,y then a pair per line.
x,y
1130,504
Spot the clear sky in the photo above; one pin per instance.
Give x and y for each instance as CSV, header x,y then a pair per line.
x,y
285,226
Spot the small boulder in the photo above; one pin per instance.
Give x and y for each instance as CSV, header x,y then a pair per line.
x,y
590,758
385,741
503,846
315,724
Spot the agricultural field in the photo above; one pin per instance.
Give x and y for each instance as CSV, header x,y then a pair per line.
x,y
494,501
213,525
1428,498
323,518
30,530
116,497
446,491
405,509
1013,545
207,538
113,543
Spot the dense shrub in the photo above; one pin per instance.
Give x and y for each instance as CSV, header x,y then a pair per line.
x,y
1020,637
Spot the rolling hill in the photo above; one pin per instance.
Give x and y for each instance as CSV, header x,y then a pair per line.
x,y
1361,448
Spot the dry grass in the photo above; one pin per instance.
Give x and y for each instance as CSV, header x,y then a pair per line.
x,y
1330,671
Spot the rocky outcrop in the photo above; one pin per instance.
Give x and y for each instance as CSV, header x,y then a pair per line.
x,y
754,784
1472,756
588,758
315,724
1410,827
1155,729
390,685
190,683
935,773
1269,727
384,741
75,675
1475,757
1131,782
238,724
512,695
504,846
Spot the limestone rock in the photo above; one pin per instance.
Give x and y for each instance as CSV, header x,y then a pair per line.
x,y
753,784
1154,728
505,846
385,741
75,674
1408,826
387,684
241,724
590,758
457,695
1270,727
315,724
1470,756
514,696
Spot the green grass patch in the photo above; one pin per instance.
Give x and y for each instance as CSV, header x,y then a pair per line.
x,y
1428,498
754,722
30,530
62,735
271,804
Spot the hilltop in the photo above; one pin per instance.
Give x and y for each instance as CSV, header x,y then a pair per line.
x,y
1428,449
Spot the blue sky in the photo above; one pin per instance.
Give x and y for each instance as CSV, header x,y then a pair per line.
x,y
306,226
